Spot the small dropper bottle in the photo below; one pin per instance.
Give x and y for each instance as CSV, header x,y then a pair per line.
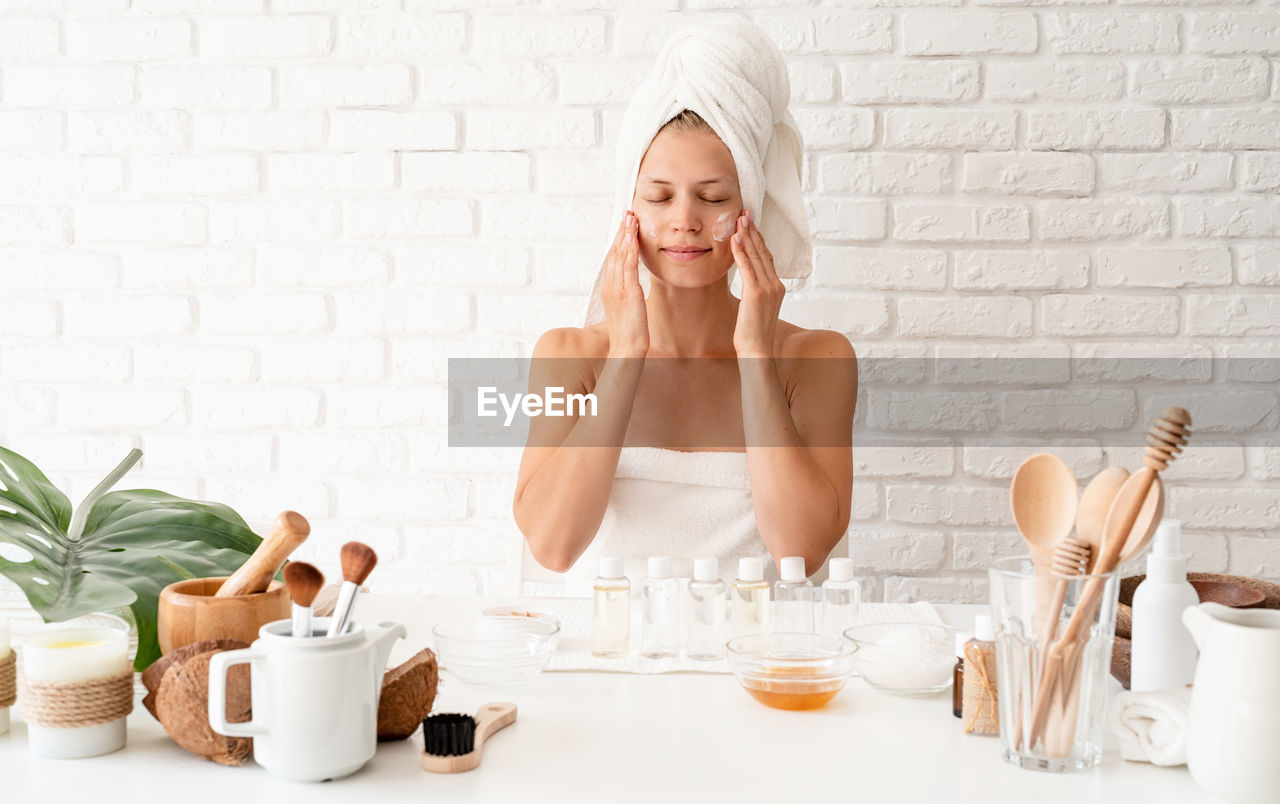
x,y
661,634
957,684
706,611
793,598
841,597
611,619
749,606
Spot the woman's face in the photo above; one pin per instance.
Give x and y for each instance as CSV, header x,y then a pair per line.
x,y
686,198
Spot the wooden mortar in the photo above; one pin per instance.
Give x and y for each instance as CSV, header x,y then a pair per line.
x,y
189,612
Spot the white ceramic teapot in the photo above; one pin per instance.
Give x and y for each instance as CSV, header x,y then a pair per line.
x,y
1233,733
315,699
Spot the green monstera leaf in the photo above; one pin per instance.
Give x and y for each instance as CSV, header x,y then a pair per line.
x,y
134,544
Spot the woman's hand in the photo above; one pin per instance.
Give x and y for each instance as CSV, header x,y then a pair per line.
x,y
762,291
623,298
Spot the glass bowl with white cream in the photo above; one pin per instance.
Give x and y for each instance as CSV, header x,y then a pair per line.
x,y
904,658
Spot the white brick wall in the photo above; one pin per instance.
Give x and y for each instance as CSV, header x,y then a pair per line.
x,y
246,235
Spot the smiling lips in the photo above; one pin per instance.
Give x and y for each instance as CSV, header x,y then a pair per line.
x,y
685,253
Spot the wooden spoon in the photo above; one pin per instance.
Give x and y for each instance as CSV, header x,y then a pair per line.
x,y
1096,501
1043,499
1043,496
1091,516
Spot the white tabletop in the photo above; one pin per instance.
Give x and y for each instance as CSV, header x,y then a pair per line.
x,y
585,736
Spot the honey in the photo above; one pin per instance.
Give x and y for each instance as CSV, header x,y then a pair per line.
x,y
795,688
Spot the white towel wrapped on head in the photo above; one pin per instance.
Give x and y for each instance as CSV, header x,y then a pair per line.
x,y
727,71
1152,726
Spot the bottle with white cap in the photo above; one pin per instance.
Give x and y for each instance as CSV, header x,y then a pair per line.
x,y
706,612
1164,654
611,616
793,598
978,704
660,635
749,606
841,597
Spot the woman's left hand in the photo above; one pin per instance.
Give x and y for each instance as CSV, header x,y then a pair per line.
x,y
762,291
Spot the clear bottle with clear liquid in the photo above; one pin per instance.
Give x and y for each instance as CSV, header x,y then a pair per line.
x,y
749,599
611,616
660,635
841,596
793,598
706,637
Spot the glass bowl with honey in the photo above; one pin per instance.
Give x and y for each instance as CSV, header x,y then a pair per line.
x,y
791,670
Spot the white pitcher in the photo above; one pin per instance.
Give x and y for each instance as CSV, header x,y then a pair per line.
x,y
1233,733
315,699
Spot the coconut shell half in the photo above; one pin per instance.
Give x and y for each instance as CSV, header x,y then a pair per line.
x,y
182,707
408,692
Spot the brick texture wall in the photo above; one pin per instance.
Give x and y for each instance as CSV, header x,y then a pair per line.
x,y
245,236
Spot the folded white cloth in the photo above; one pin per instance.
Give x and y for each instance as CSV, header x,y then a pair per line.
x,y
1152,726
733,76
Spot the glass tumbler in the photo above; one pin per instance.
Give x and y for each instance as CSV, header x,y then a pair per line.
x,y
1051,670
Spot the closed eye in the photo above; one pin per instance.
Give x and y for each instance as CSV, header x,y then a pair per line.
x,y
665,200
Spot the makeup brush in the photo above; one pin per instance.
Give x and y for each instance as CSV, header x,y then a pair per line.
x,y
358,560
304,582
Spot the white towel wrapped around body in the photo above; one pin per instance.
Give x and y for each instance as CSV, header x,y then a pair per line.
x,y
727,71
685,505
1152,726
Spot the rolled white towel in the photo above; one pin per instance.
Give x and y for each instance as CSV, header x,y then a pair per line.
x,y
1152,726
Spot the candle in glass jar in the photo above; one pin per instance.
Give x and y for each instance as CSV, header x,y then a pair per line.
x,y
70,655
4,654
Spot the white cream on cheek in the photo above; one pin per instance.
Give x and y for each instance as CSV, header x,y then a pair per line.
x,y
723,227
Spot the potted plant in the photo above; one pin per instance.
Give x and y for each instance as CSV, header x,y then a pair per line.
x,y
119,549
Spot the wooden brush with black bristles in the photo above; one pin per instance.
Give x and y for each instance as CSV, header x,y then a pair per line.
x,y
358,560
304,582
453,743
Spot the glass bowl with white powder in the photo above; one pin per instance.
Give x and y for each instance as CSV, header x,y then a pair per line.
x,y
905,658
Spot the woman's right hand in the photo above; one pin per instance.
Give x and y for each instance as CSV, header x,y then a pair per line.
x,y
623,298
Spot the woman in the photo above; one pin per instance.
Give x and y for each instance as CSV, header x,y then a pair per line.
x,y
721,430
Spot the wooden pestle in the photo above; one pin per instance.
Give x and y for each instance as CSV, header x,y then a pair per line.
x,y
288,531
1140,497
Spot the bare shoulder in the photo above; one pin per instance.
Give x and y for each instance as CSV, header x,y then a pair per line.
x,y
794,341
588,342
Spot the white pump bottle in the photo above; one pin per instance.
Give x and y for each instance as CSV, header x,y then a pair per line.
x,y
1164,654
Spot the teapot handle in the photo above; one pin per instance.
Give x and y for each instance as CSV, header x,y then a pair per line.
x,y
218,665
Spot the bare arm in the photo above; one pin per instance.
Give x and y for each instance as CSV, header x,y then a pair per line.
x,y
799,450
799,445
567,468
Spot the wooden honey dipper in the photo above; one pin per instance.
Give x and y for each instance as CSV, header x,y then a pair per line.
x,y
1140,498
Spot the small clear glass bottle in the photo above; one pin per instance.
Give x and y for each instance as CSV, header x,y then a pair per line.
x,y
749,600
611,619
841,597
660,636
793,598
706,637
981,692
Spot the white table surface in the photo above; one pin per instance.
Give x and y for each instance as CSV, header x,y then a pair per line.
x,y
586,736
